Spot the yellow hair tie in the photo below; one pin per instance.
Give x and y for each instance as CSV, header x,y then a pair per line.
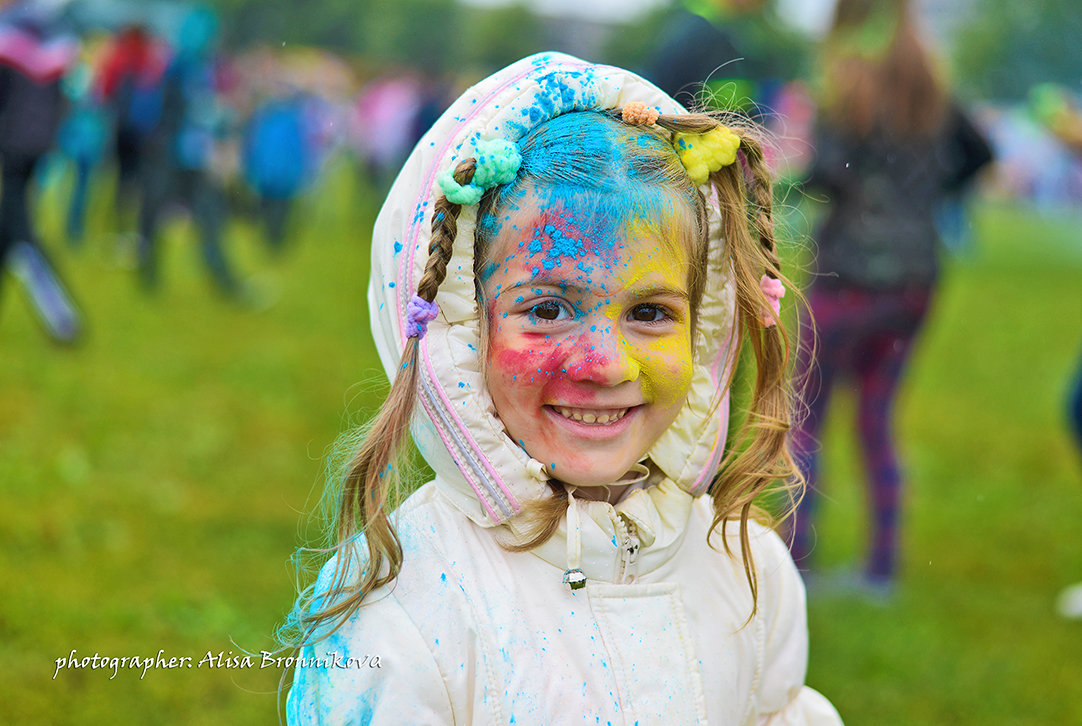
x,y
706,152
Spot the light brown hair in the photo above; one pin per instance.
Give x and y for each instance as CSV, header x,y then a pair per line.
x,y
878,75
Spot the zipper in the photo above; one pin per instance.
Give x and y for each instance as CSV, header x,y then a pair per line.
x,y
629,548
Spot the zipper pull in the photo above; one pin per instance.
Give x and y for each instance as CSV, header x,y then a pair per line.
x,y
631,556
629,549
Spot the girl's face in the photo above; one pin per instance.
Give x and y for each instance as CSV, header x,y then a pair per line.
x,y
589,347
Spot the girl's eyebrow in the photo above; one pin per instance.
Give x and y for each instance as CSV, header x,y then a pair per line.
x,y
565,285
660,291
542,280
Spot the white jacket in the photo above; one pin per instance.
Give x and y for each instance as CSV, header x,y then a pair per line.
x,y
471,633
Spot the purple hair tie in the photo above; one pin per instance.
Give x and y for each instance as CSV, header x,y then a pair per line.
x,y
419,313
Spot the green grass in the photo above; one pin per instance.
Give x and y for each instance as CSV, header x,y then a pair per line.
x,y
994,502
154,479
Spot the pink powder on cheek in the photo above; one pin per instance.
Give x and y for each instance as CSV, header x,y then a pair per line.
x,y
545,363
540,359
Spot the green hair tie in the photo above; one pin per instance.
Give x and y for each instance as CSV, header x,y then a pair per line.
x,y
497,163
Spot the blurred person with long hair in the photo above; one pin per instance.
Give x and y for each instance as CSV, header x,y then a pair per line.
x,y
891,146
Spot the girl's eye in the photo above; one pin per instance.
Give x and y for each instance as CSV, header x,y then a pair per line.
x,y
648,313
548,310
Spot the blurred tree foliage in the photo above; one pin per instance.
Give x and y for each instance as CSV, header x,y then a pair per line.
x,y
493,38
1010,46
437,35
423,33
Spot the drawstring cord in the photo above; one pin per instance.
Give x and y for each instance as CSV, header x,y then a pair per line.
x,y
574,577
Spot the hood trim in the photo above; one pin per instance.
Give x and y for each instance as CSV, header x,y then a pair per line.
x,y
456,429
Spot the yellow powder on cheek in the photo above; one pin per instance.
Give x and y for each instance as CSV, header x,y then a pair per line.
x,y
664,362
666,367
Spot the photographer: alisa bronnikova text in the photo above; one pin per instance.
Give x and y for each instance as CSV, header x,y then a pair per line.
x,y
221,659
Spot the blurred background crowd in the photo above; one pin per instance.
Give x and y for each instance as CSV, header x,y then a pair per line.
x,y
187,196
235,108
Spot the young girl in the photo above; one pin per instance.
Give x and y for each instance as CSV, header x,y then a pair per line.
x,y
561,279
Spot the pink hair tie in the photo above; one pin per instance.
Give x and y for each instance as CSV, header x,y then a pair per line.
x,y
418,315
774,291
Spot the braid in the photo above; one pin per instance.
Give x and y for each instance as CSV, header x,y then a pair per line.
x,y
370,477
763,198
444,231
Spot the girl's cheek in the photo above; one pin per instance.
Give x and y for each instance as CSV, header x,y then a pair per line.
x,y
666,369
526,360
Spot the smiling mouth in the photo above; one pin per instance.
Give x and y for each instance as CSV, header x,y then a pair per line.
x,y
592,416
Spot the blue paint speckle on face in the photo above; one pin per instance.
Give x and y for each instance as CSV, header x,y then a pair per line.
x,y
488,270
443,576
390,284
461,384
397,247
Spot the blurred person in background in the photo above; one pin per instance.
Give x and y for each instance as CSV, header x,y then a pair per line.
x,y
279,159
82,139
1061,114
130,84
383,123
181,154
34,55
890,146
727,54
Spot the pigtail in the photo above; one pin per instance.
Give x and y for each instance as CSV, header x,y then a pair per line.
x,y
761,455
371,475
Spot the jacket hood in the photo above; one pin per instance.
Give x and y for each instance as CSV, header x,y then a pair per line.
x,y
484,473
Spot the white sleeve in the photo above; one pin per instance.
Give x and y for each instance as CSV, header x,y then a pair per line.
x,y
375,669
782,697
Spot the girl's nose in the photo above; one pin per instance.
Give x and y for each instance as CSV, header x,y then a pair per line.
x,y
603,357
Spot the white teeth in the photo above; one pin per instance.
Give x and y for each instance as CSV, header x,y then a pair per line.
x,y
591,417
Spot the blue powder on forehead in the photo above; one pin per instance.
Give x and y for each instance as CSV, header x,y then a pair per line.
x,y
586,149
590,177
610,169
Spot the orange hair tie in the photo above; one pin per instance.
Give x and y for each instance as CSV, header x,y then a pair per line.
x,y
638,113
